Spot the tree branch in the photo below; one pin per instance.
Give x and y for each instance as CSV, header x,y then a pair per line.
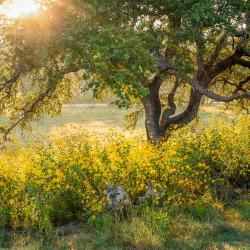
x,y
187,115
197,86
217,50
229,62
172,106
11,81
242,62
239,86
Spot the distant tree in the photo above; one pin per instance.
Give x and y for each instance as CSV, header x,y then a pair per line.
x,y
154,51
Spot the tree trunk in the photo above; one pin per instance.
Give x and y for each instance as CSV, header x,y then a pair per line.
x,y
151,120
159,125
152,107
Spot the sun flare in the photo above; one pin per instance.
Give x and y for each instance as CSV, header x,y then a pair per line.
x,y
19,9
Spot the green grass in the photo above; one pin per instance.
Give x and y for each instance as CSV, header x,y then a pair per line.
x,y
101,118
94,118
203,226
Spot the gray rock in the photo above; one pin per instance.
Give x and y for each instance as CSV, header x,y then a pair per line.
x,y
117,197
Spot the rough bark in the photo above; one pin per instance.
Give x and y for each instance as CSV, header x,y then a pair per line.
x,y
192,109
152,107
159,125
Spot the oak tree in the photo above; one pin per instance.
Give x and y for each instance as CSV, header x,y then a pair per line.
x,y
156,52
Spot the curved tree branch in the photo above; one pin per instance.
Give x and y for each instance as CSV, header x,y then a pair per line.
x,y
187,115
197,86
172,106
228,62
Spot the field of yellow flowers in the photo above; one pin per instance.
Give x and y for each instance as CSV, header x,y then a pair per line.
x,y
66,178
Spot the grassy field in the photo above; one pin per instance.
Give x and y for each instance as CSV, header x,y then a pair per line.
x,y
103,118
213,226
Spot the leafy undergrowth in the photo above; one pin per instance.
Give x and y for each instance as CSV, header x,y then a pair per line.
x,y
201,226
189,176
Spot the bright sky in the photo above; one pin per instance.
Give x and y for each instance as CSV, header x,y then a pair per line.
x,y
19,8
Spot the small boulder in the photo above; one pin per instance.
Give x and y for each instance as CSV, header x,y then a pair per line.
x,y
117,197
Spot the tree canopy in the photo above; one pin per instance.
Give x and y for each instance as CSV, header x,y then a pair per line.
x,y
153,51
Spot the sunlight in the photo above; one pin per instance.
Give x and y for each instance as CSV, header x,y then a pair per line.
x,y
19,9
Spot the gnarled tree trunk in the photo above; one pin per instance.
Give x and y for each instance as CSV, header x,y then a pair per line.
x,y
159,123
152,108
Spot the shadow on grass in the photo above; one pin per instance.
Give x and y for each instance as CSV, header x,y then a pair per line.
x,y
203,226
206,227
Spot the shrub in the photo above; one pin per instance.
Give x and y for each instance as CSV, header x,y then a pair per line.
x,y
67,178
